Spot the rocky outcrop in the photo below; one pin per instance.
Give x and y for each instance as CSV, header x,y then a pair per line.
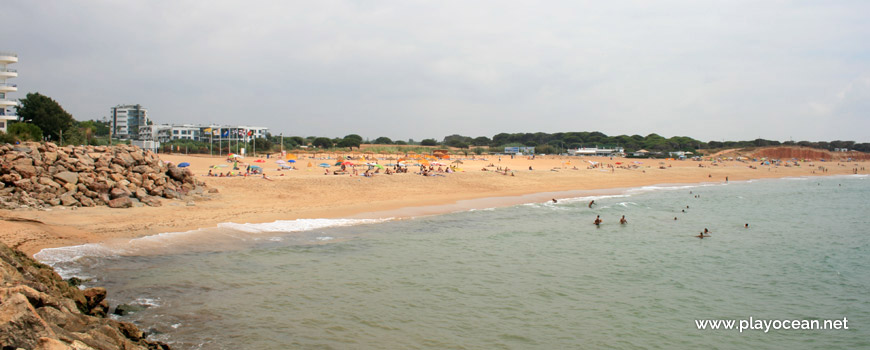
x,y
36,175
40,311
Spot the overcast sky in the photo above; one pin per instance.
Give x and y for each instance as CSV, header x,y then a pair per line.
x,y
713,70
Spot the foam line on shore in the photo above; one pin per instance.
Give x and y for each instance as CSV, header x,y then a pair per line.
x,y
224,236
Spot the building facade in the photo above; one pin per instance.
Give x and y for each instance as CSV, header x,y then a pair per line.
x,y
202,133
126,120
7,104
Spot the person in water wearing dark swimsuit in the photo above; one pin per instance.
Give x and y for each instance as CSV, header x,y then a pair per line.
x,y
623,220
597,221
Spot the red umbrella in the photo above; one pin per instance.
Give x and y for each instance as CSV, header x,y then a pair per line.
x,y
259,161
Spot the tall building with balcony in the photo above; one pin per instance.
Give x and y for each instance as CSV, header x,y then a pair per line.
x,y
126,120
7,104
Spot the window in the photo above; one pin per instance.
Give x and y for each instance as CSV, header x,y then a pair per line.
x,y
2,124
175,132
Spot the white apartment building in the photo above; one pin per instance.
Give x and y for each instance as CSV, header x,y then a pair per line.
x,y
126,120
7,104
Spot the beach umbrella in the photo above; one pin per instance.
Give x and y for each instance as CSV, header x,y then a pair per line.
x,y
391,164
346,163
458,162
259,161
219,166
280,161
324,165
378,166
255,167
183,165
291,161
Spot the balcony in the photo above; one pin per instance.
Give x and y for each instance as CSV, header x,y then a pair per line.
x,y
7,103
8,57
5,87
8,73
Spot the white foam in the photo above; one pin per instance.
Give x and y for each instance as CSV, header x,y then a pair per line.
x,y
298,225
225,233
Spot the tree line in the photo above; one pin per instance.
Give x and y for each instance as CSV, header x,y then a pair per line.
x,y
43,119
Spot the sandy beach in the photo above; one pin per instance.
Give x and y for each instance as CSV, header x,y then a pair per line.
x,y
308,193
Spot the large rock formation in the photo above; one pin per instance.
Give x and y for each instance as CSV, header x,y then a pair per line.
x,y
36,175
40,311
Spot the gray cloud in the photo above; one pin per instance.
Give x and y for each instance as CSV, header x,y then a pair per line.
x,y
418,69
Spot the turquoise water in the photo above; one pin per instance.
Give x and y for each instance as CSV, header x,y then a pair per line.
x,y
534,276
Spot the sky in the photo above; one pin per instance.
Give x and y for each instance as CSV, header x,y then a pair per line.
x,y
412,69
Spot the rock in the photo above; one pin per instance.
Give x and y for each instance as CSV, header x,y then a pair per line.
x,y
48,182
142,169
21,325
175,173
67,177
24,184
171,194
125,309
87,202
118,192
121,202
40,311
67,200
124,159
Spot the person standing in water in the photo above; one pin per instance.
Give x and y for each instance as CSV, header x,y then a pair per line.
x,y
591,203
597,221
623,220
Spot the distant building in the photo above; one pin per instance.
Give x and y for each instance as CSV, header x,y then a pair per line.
x,y
519,150
601,152
7,104
126,120
202,133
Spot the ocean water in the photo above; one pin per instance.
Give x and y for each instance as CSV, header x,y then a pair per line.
x,y
532,276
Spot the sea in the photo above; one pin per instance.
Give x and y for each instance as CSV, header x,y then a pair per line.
x,y
536,275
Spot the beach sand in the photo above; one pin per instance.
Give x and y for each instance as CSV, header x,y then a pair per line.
x,y
308,193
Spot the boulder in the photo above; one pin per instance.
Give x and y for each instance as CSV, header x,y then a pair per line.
x,y
68,200
171,194
67,177
118,192
121,202
124,159
175,173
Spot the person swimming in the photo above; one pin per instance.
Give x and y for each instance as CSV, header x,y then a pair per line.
x,y
706,231
597,221
623,220
554,200
746,226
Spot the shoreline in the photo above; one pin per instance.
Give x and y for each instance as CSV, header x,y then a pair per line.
x,y
414,212
302,195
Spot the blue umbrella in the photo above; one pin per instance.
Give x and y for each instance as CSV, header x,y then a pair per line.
x,y
324,165
183,165
254,167
291,161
